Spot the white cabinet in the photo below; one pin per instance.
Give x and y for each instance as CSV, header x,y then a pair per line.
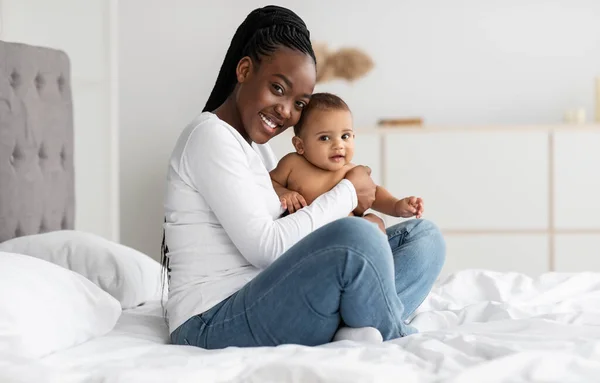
x,y
577,252
522,253
488,191
472,179
577,200
577,180
507,199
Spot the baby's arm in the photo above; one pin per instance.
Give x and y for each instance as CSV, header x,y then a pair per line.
x,y
281,173
386,203
290,200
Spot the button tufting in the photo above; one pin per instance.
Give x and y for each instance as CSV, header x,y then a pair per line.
x,y
42,153
16,154
18,231
63,157
39,82
15,79
63,223
42,228
61,83
12,160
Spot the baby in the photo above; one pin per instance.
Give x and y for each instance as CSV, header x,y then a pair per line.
x,y
324,143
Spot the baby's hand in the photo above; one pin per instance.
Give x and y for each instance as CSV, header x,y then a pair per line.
x,y
292,201
409,206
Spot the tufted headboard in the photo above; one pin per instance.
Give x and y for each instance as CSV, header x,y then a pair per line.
x,y
37,191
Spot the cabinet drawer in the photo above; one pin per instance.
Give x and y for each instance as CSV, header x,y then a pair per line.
x,y
526,253
577,252
473,180
577,180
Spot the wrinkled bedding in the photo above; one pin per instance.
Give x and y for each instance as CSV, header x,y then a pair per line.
x,y
474,326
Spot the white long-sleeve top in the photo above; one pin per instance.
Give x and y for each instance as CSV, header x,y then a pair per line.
x,y
222,216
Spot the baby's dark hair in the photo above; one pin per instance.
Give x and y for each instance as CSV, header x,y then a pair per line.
x,y
320,101
260,34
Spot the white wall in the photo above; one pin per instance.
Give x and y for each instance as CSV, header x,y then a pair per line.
x,y
463,62
83,30
451,62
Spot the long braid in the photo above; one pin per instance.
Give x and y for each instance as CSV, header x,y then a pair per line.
x,y
165,270
260,34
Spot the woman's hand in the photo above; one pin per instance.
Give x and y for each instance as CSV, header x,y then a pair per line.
x,y
360,176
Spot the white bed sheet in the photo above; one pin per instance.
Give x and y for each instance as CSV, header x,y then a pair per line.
x,y
475,326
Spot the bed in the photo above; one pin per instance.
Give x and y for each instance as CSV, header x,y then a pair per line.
x,y
476,325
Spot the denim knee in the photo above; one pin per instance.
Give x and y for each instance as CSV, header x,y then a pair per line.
x,y
359,235
435,241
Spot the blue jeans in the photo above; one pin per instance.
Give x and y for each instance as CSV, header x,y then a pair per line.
x,y
347,273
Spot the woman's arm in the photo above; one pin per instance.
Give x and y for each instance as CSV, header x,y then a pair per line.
x,y
218,169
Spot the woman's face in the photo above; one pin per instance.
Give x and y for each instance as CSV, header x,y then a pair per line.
x,y
270,97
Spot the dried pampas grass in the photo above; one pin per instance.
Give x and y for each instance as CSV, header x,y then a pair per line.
x,y
348,64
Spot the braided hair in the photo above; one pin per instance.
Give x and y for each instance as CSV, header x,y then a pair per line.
x,y
262,32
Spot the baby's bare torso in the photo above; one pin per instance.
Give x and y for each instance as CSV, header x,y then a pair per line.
x,y
311,181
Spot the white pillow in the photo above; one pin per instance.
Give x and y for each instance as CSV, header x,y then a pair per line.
x,y
45,308
128,275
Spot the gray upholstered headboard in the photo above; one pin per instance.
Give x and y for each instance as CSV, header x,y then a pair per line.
x,y
37,191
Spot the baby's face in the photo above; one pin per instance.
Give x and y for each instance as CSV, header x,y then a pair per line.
x,y
328,139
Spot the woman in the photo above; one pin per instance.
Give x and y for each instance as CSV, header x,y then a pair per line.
x,y
239,274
